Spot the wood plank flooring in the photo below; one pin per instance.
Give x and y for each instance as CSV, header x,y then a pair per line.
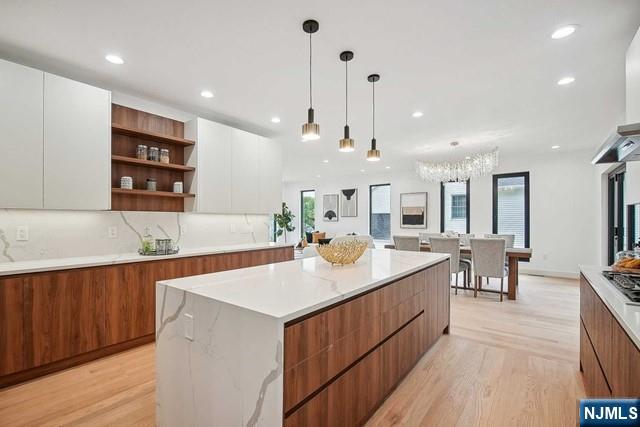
x,y
504,364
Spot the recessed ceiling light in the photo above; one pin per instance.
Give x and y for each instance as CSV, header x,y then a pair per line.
x,y
417,114
387,167
467,158
206,94
563,32
325,161
555,147
317,176
114,59
275,119
361,170
566,80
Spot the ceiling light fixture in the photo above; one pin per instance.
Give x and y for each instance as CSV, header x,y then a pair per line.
x,y
347,144
325,161
563,32
555,147
361,170
114,59
417,114
387,167
310,130
471,167
275,119
206,94
373,154
566,80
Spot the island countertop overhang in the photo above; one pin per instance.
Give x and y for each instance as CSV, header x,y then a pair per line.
x,y
292,289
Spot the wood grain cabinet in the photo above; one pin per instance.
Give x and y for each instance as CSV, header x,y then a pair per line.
x,y
340,363
50,321
609,360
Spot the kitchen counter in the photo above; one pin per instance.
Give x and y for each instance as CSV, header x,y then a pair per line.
x,y
628,316
221,338
34,266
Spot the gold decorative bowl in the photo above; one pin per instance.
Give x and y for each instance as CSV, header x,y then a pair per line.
x,y
342,253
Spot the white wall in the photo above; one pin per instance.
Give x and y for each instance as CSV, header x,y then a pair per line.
x,y
564,207
633,115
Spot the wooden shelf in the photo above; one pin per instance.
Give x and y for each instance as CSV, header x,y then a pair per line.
x,y
151,164
151,193
150,135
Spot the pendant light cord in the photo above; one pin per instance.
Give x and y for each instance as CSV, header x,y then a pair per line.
x,y
310,74
373,85
346,93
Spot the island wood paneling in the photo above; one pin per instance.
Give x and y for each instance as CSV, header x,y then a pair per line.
x,y
617,356
595,383
52,320
342,361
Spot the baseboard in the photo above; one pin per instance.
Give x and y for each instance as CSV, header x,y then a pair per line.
x,y
550,273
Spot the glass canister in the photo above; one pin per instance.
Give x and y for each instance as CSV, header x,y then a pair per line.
x,y
126,182
164,156
154,154
151,184
141,152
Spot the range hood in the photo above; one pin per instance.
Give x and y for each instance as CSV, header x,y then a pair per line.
x,y
622,146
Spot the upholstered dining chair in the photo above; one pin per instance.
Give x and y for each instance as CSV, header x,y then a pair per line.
x,y
407,243
464,239
451,246
510,241
424,237
487,257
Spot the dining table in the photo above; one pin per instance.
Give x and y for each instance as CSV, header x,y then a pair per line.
x,y
514,256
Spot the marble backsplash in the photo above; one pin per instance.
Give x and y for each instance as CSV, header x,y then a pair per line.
x,y
62,234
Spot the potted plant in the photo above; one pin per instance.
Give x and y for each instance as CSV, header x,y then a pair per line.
x,y
284,221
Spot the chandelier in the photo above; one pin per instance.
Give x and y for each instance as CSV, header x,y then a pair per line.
x,y
471,167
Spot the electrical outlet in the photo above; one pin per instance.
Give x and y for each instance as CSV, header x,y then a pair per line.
x,y
113,232
22,233
188,326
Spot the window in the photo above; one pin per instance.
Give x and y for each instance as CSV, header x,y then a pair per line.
x,y
454,207
380,211
511,206
307,211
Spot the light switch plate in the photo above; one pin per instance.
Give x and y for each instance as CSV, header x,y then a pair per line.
x,y
112,232
188,326
22,233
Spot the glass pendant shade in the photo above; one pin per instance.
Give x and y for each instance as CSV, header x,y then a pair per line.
x,y
347,144
310,130
373,155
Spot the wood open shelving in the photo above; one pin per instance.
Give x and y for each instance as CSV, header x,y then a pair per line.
x,y
148,193
150,135
131,128
150,163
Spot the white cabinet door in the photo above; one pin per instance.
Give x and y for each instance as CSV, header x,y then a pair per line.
x,y
20,136
270,176
245,172
211,157
77,145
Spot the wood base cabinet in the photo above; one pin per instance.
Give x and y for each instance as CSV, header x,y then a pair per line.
x,y
609,360
53,320
341,363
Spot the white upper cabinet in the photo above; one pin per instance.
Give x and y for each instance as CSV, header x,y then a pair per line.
x,y
20,136
211,156
245,172
77,145
236,171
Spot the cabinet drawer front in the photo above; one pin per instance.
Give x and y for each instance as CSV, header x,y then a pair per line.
x,y
595,383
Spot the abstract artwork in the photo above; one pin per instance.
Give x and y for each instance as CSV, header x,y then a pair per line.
x,y
349,202
330,207
413,210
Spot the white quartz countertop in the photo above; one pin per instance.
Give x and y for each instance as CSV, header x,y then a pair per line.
x,y
291,289
34,266
627,315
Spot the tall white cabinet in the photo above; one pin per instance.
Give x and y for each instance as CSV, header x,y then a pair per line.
x,y
21,162
77,145
55,141
236,171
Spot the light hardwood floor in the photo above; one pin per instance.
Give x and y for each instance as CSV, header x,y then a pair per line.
x,y
513,363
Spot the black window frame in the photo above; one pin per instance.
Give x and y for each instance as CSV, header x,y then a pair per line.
x,y
302,231
468,225
527,199
370,206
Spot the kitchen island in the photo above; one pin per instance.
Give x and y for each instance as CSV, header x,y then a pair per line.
x,y
296,343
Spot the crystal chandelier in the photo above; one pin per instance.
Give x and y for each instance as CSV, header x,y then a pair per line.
x,y
471,167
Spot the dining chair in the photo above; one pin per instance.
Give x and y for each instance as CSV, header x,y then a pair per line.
x,y
487,257
510,241
464,239
407,243
451,246
424,237
309,251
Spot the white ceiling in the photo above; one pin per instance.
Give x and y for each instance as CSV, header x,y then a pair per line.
x,y
483,72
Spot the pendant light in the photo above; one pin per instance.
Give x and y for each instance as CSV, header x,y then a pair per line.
x,y
373,155
346,143
310,130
